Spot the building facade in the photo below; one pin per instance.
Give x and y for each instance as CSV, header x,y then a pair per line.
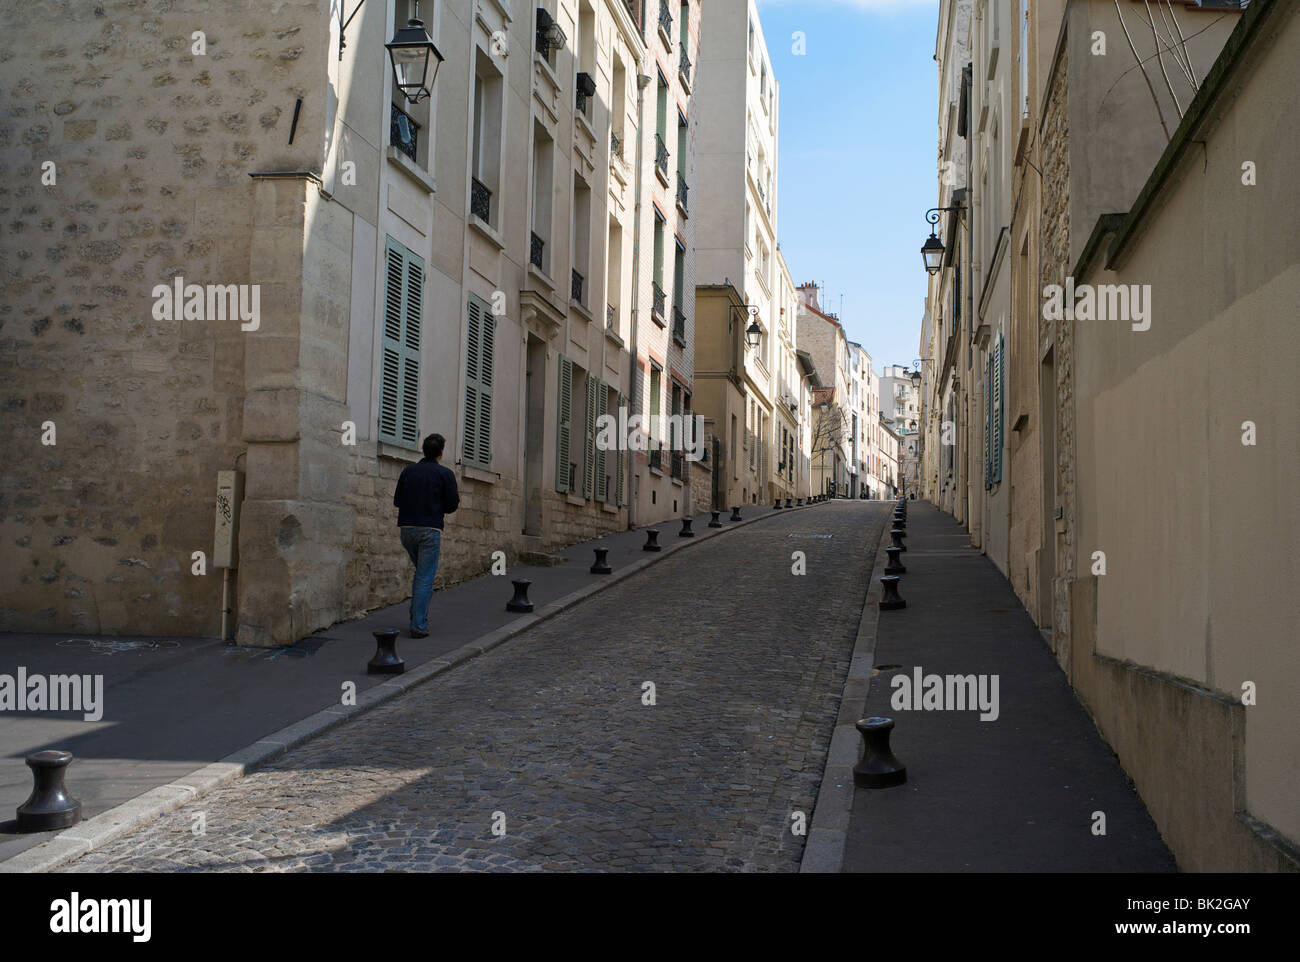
x,y
477,263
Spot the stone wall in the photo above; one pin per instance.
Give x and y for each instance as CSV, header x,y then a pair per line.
x,y
151,146
1054,245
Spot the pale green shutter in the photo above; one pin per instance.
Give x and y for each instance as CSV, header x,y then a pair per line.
x,y
988,424
564,414
480,344
602,408
998,412
589,441
399,394
619,455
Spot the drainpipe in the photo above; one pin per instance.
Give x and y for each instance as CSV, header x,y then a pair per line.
x,y
642,81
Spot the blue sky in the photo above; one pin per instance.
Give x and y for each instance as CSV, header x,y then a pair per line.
x,y
857,158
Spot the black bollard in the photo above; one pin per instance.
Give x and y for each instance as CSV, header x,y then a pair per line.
x,y
49,806
776,505
895,565
735,513
686,531
385,661
800,502
601,566
900,522
891,600
788,503
713,521
878,767
652,540
520,600
896,536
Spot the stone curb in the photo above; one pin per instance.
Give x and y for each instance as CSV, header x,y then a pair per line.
x,y
137,812
828,833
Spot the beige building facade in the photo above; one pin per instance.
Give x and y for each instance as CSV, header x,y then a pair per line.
x,y
447,265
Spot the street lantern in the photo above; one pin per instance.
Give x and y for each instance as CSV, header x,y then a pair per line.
x,y
753,333
932,253
932,250
916,380
412,51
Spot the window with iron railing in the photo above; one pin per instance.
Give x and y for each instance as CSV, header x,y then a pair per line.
x,y
658,303
661,155
679,325
666,23
576,286
480,200
536,249
404,132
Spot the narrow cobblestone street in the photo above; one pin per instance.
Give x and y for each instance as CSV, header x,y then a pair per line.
x,y
549,733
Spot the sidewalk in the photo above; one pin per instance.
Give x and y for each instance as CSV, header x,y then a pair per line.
x,y
172,706
1015,794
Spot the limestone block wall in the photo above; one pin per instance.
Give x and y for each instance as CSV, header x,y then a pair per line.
x,y
1054,266
151,145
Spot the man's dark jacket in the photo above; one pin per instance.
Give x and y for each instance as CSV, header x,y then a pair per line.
x,y
425,492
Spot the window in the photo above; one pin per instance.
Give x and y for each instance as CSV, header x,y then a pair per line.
x,y
564,425
593,461
543,166
485,172
399,392
656,448
581,233
409,124
480,351
993,417
657,306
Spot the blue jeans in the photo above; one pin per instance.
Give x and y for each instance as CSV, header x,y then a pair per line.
x,y
423,545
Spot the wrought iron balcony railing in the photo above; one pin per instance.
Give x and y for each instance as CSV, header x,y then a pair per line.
x,y
480,199
403,132
656,457
609,315
679,325
684,65
675,460
575,287
661,155
682,190
535,250
615,145
657,306
665,19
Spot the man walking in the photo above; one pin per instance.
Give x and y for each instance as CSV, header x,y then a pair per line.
x,y
426,492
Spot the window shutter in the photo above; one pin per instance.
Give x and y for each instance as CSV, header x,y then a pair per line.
x,y
480,336
589,441
618,458
602,405
988,424
399,394
564,414
999,410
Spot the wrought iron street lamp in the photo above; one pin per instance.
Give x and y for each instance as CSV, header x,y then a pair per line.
x,y
412,51
932,250
753,333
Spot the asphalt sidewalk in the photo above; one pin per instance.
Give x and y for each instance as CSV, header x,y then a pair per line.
x,y
172,707
1017,793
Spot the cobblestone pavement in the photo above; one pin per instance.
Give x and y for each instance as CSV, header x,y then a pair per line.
x,y
547,736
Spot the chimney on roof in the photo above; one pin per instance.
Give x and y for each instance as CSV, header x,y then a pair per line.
x,y
808,295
